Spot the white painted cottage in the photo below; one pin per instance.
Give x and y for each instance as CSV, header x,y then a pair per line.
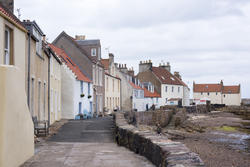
x,y
77,89
218,93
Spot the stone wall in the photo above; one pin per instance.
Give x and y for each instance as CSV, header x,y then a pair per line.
x,y
150,118
198,109
161,151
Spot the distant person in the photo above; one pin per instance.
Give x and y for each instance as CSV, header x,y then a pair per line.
x,y
147,107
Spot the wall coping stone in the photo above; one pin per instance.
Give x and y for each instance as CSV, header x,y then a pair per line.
x,y
161,151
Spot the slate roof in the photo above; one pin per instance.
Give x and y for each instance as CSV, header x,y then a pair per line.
x,y
72,40
166,77
89,42
234,89
150,94
68,61
11,17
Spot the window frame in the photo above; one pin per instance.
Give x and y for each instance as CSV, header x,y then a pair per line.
x,y
9,47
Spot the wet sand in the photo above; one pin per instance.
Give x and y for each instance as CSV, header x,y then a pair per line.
x,y
225,142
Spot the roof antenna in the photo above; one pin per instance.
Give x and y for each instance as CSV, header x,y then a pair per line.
x,y
19,13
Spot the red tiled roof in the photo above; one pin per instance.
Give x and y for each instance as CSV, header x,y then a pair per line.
x,y
231,89
166,77
150,94
67,60
135,86
216,88
11,17
105,63
207,87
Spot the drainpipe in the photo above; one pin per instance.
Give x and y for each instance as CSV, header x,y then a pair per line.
x,y
49,93
28,79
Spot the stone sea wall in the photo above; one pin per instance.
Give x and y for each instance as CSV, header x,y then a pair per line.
x,y
158,149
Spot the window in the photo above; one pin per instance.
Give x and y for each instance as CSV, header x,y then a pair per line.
x,y
51,101
216,93
39,42
166,89
224,96
118,85
113,84
32,96
201,93
93,52
208,93
157,100
81,87
107,85
166,100
8,59
178,89
39,100
88,88
44,100
172,89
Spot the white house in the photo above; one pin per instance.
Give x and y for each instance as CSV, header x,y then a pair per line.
x,y
218,93
151,97
77,89
168,85
138,101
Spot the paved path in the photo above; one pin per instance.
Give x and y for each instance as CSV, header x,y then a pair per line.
x,y
87,143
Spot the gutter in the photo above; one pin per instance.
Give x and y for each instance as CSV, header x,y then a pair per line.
x,y
28,89
49,93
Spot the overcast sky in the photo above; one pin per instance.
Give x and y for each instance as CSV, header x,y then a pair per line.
x,y
205,40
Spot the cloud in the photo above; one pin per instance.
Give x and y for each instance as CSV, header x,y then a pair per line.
x,y
205,40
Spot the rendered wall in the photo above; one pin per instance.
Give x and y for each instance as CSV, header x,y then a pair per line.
x,y
67,93
114,94
16,126
169,94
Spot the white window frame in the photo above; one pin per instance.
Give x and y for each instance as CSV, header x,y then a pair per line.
x,y
93,51
7,48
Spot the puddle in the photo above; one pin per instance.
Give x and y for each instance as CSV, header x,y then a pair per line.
x,y
237,141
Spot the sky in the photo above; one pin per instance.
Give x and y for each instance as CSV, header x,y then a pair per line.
x,y
205,40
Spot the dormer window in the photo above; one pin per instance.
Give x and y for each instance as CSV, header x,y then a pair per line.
x,y
93,52
39,42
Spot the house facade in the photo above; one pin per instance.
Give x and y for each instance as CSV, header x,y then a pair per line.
x,y
112,85
55,112
166,84
89,65
37,70
151,96
77,89
14,114
218,93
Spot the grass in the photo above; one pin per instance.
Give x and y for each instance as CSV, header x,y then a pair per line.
x,y
226,128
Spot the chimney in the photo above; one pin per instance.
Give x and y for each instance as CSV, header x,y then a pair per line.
x,y
131,72
111,58
44,38
177,74
166,66
145,66
9,4
80,37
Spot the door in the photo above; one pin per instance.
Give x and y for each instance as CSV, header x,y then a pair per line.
x,y
80,108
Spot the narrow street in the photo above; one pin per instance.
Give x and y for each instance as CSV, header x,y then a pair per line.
x,y
85,143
